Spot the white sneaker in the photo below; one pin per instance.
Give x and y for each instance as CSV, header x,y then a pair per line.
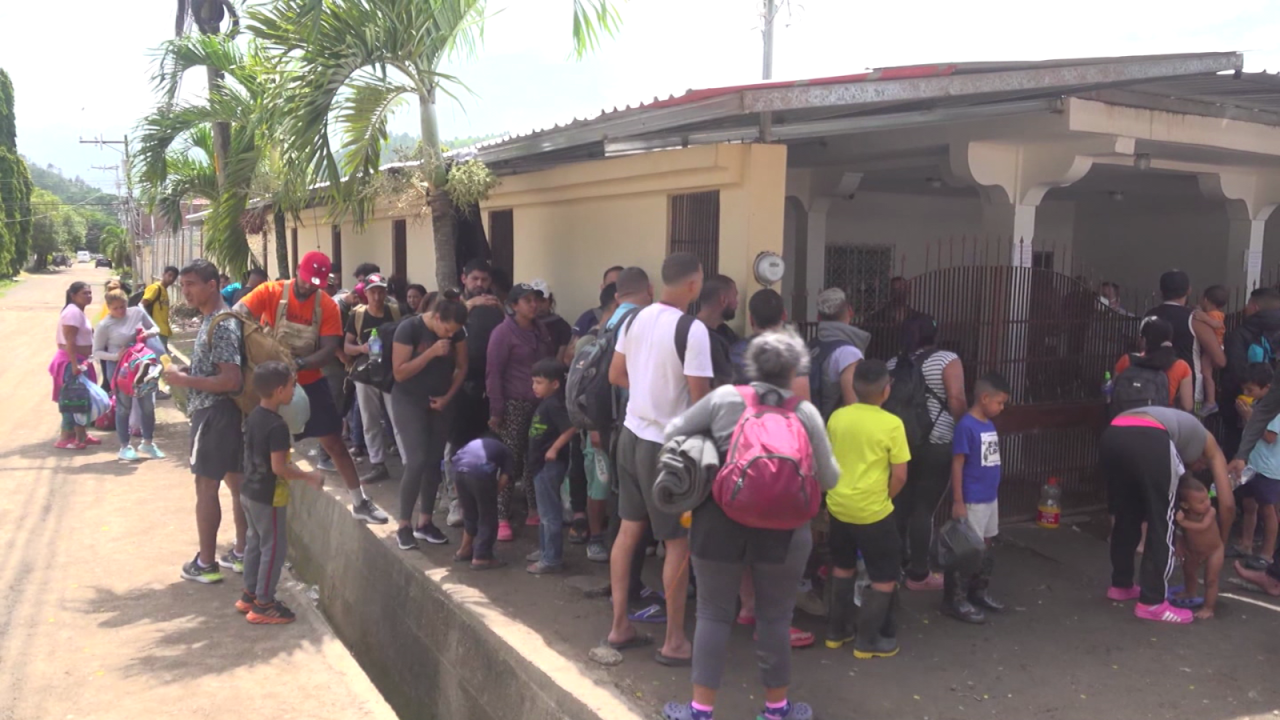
x,y
455,515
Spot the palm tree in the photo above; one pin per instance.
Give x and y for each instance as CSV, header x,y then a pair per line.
x,y
115,247
177,156
207,16
352,62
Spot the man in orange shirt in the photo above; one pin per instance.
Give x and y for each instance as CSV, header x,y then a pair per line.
x,y
309,323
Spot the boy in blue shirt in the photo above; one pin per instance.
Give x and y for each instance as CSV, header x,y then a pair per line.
x,y
975,486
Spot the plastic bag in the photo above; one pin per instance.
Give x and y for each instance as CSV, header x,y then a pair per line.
x,y
107,420
959,548
99,401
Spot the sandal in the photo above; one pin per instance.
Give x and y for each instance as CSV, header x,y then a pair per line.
x,y
636,641
493,564
651,614
1187,603
673,662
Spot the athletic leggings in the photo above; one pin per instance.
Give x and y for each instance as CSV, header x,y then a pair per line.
x,y
776,587
514,431
1141,469
425,433
928,480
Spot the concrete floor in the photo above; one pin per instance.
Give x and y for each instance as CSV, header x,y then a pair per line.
x,y
94,619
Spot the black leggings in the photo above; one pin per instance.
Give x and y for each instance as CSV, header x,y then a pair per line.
x,y
928,478
1141,470
424,433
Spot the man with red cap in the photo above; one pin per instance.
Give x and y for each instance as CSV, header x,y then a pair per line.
x,y
309,323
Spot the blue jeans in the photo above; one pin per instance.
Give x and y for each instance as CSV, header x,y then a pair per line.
x,y
147,408
547,484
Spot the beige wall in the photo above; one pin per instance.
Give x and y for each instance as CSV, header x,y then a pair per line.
x,y
572,222
372,243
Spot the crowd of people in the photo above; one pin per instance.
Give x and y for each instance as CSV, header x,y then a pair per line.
x,y
477,390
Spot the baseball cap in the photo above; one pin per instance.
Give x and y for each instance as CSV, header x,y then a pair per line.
x,y
315,268
373,280
523,289
541,286
831,301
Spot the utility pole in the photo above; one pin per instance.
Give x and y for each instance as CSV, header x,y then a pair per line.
x,y
130,218
766,118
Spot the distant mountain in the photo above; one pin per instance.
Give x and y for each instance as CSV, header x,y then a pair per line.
x,y
70,190
401,145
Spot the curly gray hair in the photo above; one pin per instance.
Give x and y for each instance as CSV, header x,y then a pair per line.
x,y
776,358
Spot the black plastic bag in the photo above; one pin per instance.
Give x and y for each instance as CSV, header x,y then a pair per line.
x,y
959,548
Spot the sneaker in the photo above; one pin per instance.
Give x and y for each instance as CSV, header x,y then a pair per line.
x,y
455,518
196,572
533,557
357,451
406,538
504,531
533,520
127,453
273,614
151,451
232,562
596,551
793,711
1123,594
326,464
378,473
368,512
431,534
245,603
541,568
1164,612
91,440
933,582
69,444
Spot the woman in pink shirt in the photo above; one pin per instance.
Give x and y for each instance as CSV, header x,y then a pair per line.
x,y
74,338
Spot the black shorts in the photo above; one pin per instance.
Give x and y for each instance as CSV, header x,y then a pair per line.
x,y
324,420
879,543
217,441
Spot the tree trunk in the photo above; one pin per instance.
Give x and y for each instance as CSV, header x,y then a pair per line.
x,y
444,230
221,135
282,250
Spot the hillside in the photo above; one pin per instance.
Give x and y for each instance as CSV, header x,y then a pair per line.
x,y
83,216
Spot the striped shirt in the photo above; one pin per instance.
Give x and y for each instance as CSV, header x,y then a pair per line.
x,y
944,429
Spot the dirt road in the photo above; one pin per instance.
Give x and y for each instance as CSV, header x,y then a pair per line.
x,y
94,619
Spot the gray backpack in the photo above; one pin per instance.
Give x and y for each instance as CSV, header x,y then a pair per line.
x,y
1139,387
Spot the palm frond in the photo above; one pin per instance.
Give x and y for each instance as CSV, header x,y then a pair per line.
x,y
592,21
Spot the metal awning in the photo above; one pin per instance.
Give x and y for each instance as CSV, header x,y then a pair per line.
x,y
892,97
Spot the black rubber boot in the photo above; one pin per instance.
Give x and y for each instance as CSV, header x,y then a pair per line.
x,y
954,603
876,606
840,614
889,628
978,585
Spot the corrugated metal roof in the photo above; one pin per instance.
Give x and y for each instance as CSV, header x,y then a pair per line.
x,y
917,88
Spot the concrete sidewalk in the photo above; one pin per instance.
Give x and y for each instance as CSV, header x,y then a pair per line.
x,y
96,622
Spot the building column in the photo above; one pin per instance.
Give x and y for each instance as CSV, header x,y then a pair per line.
x,y
816,253
1014,221
1251,196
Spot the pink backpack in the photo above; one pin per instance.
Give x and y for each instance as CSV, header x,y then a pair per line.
x,y
138,372
767,481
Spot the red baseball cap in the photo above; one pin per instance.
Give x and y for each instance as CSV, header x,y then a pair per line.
x,y
315,268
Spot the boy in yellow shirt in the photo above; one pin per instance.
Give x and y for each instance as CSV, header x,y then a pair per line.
x,y
870,445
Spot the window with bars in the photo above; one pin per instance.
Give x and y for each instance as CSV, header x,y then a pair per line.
x,y
502,240
400,248
694,227
862,271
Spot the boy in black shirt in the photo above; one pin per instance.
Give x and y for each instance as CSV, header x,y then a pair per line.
x,y
549,436
265,493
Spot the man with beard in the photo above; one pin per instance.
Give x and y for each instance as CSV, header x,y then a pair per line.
x,y
484,313
718,303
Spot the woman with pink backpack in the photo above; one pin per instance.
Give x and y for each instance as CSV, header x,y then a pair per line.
x,y
776,461
116,336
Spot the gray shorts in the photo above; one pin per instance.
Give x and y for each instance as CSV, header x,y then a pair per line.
x,y
984,518
217,440
637,470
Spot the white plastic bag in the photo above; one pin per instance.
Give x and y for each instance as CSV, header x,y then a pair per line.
x,y
99,401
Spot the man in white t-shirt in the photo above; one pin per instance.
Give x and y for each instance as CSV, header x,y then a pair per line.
x,y
663,358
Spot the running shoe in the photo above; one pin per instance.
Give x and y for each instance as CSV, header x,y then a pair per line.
x,y
405,538
245,603
272,614
596,551
196,572
368,512
232,562
326,465
377,473
127,453
1164,612
504,531
151,451
455,518
431,534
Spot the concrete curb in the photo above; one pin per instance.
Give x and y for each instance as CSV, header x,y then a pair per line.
x,y
434,648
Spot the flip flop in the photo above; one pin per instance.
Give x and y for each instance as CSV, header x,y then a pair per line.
x,y
652,614
460,559
636,641
1187,603
491,565
673,662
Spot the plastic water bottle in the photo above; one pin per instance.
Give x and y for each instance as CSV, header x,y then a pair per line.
x,y
1049,512
862,583
1108,385
375,347
1242,477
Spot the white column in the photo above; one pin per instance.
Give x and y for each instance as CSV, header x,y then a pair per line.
x,y
1013,222
1244,252
816,251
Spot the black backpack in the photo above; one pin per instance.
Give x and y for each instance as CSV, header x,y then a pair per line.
x,y
364,370
136,298
909,399
1139,387
387,333
820,351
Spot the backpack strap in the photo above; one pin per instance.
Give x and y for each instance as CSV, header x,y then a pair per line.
x,y
750,397
395,312
316,314
359,322
683,326
282,308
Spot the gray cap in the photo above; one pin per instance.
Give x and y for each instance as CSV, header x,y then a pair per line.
x,y
832,301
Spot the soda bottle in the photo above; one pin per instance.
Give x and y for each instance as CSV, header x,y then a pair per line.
x,y
1049,513
1108,385
375,347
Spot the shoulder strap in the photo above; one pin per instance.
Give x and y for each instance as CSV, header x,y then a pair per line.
x,y
282,308
359,322
791,403
214,323
395,312
316,314
682,335
749,397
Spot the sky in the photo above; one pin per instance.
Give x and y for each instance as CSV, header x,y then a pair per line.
x,y
80,72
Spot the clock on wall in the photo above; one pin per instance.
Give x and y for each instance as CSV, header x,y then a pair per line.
x,y
769,268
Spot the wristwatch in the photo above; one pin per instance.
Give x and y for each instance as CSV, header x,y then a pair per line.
x,y
299,364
